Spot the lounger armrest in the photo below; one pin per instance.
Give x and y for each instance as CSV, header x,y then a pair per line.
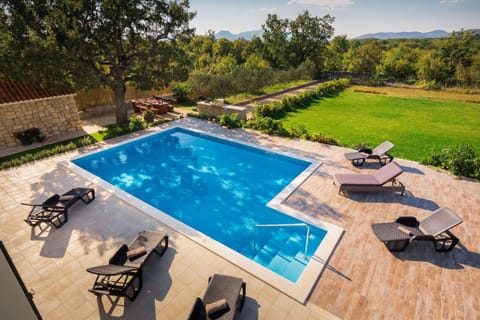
x,y
53,207
110,270
31,204
408,221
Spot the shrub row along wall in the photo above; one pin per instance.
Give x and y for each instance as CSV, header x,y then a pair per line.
x,y
53,116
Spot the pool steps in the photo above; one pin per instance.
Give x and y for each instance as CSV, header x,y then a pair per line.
x,y
282,253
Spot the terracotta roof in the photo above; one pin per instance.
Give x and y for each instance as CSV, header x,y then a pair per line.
x,y
12,91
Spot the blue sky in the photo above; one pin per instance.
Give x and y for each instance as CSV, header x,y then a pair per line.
x,y
352,17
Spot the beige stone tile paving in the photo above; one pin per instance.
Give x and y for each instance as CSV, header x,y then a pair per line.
x,y
362,280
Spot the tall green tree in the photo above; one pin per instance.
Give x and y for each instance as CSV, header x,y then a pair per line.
x,y
289,43
336,50
275,41
309,39
365,57
92,42
400,63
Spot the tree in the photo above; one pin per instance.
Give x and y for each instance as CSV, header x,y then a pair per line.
x,y
364,58
93,42
432,68
222,48
400,63
309,39
291,43
275,41
336,50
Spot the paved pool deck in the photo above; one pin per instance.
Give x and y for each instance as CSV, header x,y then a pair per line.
x,y
361,281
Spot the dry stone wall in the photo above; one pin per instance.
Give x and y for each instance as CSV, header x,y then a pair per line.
x,y
53,116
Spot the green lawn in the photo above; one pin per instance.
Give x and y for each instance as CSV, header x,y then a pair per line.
x,y
415,126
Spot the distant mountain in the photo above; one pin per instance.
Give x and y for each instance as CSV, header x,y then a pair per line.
x,y
405,35
247,35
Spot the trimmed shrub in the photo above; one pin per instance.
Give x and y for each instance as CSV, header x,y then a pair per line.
x,y
136,123
461,160
299,132
320,138
230,120
148,116
267,125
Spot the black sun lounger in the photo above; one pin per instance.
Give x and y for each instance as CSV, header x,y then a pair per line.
x,y
54,210
123,275
224,296
435,228
379,153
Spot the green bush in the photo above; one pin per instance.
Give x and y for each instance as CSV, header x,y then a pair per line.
x,y
148,116
181,91
299,132
320,138
461,160
230,120
429,85
136,123
267,125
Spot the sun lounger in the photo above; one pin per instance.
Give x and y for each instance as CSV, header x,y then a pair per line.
x,y
384,179
379,153
123,275
435,228
54,210
224,296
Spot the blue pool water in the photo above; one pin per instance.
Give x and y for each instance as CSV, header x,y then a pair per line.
x,y
217,187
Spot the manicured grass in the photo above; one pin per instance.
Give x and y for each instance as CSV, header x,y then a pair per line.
x,y
415,126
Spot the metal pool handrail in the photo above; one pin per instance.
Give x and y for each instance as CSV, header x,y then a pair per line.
x,y
282,225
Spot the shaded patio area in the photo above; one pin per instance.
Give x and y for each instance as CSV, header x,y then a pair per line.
x,y
362,280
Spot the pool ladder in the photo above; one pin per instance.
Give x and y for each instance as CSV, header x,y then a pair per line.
x,y
282,225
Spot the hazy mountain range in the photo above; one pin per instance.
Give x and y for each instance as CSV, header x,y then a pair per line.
x,y
406,35
248,35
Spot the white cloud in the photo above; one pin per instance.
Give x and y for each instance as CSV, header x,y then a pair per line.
x,y
267,9
451,1
330,3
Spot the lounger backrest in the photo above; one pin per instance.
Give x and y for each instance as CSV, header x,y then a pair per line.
x,y
387,173
439,221
198,311
383,148
51,202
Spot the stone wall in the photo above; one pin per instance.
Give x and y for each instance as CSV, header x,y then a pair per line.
x,y
53,116
213,109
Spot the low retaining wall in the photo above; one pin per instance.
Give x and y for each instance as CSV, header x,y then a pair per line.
x,y
53,116
215,110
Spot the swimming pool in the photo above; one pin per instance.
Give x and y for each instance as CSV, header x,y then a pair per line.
x,y
218,187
